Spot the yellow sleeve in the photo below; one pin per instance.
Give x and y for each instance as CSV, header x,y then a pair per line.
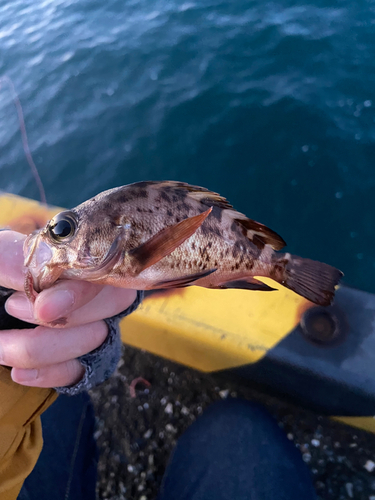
x,y
21,438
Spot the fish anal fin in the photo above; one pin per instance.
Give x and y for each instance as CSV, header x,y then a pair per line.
x,y
248,284
183,280
165,242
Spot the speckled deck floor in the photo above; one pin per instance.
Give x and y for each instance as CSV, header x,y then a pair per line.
x,y
136,435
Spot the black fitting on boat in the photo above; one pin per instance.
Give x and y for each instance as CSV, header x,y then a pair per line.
x,y
324,326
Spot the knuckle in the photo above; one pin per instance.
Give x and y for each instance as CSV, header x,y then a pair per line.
x,y
98,333
38,375
124,298
102,331
83,291
73,372
28,353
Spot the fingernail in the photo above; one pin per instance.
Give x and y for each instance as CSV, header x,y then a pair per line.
x,y
20,306
23,375
54,305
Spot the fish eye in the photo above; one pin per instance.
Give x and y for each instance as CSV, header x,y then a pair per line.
x,y
63,226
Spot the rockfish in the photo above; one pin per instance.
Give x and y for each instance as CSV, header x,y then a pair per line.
x,y
155,235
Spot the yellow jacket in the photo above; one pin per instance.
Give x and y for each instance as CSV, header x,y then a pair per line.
x,y
21,438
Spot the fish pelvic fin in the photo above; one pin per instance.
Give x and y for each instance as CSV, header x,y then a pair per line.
x,y
313,280
182,281
165,242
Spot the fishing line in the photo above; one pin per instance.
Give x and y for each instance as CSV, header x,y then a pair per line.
x,y
25,143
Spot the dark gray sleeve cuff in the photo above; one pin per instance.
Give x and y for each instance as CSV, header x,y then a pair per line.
x,y
100,363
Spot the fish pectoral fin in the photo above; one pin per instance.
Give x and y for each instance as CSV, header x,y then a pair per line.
x,y
165,241
248,284
183,280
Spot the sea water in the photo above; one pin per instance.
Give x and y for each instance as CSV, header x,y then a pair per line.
x,y
271,104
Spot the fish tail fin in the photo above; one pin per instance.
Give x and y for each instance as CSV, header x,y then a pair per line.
x,y
313,280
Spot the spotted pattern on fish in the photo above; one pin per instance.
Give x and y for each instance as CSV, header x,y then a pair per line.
x,y
168,233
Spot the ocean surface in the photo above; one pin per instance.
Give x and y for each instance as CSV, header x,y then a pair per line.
x,y
272,104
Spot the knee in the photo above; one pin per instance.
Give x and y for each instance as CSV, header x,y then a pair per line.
x,y
236,414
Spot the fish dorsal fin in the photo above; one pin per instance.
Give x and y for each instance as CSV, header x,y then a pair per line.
x,y
165,242
198,193
256,232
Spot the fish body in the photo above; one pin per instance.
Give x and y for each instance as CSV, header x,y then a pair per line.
x,y
152,235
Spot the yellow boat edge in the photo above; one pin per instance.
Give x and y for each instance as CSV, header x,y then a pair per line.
x,y
209,330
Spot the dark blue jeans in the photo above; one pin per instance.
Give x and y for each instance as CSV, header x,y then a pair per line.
x,y
67,466
234,451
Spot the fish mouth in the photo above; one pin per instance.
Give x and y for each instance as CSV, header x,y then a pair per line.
x,y
37,256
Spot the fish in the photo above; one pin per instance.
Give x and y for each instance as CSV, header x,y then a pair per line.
x,y
168,234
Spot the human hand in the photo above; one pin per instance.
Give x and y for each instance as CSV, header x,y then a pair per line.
x,y
45,356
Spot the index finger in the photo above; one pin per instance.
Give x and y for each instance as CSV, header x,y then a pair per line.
x,y
12,270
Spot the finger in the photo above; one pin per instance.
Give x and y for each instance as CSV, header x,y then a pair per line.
x,y
43,346
71,303
58,375
109,302
64,298
12,271
56,302
19,306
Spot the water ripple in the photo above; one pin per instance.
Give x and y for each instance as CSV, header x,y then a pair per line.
x,y
269,102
